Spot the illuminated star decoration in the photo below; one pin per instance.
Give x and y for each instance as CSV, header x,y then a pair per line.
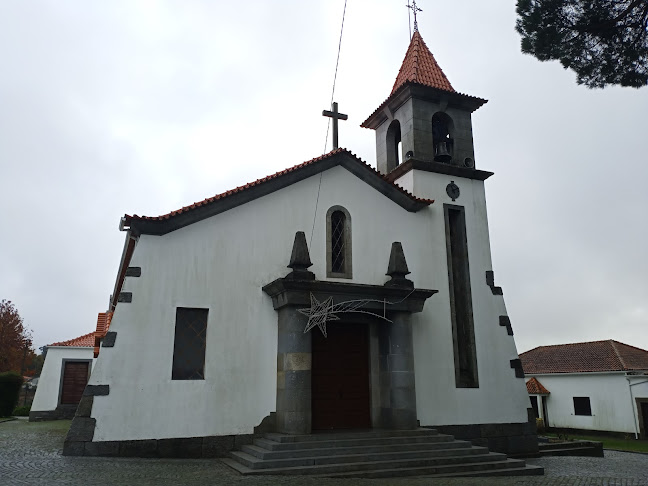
x,y
318,314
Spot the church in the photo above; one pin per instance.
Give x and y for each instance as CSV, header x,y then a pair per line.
x,y
330,296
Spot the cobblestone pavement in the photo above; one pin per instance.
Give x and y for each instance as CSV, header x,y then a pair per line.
x,y
30,454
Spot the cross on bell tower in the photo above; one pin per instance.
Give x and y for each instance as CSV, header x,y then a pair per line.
x,y
414,9
336,116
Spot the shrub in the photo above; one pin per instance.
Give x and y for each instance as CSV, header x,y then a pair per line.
x,y
10,383
21,411
540,425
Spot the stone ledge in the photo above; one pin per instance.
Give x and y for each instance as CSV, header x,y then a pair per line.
x,y
182,447
513,439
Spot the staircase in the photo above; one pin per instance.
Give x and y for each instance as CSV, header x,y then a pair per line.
x,y
374,454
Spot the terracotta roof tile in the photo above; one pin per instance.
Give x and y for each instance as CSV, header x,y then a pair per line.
x,y
217,197
419,66
103,324
87,340
584,357
534,387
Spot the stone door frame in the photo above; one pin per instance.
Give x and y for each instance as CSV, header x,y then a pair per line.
x,y
393,393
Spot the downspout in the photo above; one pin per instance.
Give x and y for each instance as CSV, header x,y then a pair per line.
x,y
632,404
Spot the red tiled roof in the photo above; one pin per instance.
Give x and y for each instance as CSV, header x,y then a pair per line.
x,y
534,387
419,66
103,324
584,357
87,340
128,218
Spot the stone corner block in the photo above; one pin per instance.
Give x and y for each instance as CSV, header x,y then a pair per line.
x,y
81,430
516,364
134,272
85,406
506,322
96,390
109,339
73,448
125,297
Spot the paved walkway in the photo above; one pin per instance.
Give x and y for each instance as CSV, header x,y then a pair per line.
x,y
30,454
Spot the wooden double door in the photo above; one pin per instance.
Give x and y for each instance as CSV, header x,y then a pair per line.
x,y
340,377
75,379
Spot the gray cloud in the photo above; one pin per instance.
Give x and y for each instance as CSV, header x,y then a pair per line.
x,y
143,107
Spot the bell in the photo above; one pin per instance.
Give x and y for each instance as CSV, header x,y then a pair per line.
x,y
441,152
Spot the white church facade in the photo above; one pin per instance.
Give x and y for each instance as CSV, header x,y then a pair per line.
x,y
388,316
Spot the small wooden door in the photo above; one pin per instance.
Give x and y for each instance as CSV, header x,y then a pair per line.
x,y
75,379
644,418
340,378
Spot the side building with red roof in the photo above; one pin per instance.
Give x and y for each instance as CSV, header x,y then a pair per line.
x,y
66,371
64,376
599,385
331,295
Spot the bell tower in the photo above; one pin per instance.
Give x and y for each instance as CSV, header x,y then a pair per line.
x,y
424,118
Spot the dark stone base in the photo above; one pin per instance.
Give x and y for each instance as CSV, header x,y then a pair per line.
x,y
79,443
514,440
184,447
61,412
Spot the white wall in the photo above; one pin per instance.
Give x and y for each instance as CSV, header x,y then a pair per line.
x,y
221,264
612,407
49,385
500,397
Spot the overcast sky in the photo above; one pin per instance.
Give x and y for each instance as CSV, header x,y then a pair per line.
x,y
143,107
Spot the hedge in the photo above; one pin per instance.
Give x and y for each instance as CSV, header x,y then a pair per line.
x,y
10,383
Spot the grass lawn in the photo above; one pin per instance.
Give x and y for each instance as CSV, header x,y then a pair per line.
x,y
613,442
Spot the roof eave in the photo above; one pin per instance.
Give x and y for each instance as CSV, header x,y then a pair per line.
x,y
411,89
344,158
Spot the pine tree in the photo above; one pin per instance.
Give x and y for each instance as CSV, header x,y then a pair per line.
x,y
604,41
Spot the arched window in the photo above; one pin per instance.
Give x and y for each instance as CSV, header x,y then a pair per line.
x,y
393,145
442,136
338,243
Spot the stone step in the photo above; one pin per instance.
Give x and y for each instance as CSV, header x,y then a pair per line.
x,y
482,466
450,462
509,467
329,436
258,450
351,442
254,462
587,451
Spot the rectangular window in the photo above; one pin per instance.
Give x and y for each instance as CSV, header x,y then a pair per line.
x,y
582,406
189,344
463,333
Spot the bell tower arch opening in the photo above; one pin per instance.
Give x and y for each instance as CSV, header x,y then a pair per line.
x,y
394,145
442,137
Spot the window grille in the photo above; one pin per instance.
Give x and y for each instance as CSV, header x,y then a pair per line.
x,y
582,406
189,344
337,242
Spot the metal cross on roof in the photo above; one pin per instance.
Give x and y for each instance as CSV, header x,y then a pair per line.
x,y
336,116
414,9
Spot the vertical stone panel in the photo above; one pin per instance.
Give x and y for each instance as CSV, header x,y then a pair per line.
x,y
294,364
396,362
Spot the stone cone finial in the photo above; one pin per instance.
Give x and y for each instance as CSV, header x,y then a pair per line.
x,y
397,268
300,259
